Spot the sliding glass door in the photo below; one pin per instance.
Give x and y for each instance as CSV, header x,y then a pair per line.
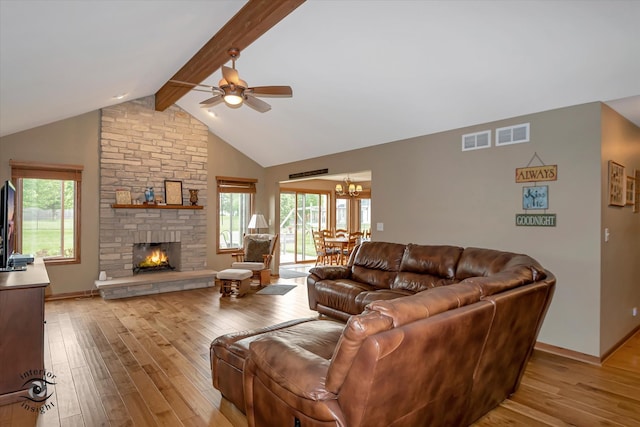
x,y
301,213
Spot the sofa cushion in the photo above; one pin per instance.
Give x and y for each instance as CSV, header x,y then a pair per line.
x,y
427,303
477,262
340,294
416,282
253,266
502,281
377,263
427,266
431,259
330,272
364,298
316,336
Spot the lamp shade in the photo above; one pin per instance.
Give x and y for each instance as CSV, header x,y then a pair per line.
x,y
257,221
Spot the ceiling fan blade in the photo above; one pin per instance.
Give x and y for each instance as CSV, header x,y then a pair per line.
x,y
231,75
191,84
281,91
211,101
257,104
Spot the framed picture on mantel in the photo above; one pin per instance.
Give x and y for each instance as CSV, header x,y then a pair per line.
x,y
173,192
123,197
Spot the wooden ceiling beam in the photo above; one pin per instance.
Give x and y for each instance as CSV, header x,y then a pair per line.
x,y
253,20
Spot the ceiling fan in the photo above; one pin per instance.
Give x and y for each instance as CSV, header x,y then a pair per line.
x,y
234,91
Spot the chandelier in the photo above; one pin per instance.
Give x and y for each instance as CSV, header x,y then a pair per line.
x,y
348,189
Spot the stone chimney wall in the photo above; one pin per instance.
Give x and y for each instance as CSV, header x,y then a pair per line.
x,y
140,148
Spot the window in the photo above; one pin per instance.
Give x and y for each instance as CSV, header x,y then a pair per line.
x,y
342,213
235,205
353,213
48,207
475,141
365,215
512,134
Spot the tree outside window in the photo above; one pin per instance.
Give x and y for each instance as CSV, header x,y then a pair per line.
x,y
48,207
235,206
48,218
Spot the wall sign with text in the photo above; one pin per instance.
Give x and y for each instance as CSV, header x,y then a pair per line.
x,y
537,173
536,197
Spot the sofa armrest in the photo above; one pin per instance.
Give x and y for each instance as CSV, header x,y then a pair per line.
x,y
292,367
329,272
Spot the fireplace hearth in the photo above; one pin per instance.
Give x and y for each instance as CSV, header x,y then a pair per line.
x,y
155,257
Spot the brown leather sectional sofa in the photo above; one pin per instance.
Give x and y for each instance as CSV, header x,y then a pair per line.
x,y
383,271
443,337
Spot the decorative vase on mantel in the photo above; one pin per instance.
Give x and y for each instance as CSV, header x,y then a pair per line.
x,y
149,195
193,197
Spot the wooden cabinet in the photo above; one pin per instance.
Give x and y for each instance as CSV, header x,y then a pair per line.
x,y
21,329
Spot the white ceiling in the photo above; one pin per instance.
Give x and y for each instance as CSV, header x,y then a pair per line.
x,y
362,72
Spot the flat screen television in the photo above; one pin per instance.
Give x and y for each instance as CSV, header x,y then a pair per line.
x,y
7,222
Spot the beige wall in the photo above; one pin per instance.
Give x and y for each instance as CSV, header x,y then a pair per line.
x,y
70,141
426,190
224,160
76,141
620,275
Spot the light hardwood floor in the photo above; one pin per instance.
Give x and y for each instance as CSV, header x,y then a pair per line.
x,y
145,361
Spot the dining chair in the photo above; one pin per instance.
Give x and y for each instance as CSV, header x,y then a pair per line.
x,y
324,253
354,239
341,232
326,233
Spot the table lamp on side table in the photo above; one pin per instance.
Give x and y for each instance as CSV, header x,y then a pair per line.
x,y
257,222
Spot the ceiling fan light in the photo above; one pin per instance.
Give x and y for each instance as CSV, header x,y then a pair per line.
x,y
233,99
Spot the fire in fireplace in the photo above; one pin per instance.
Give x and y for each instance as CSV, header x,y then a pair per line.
x,y
154,257
157,258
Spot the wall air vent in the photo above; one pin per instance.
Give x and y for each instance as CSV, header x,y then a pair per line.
x,y
512,134
476,141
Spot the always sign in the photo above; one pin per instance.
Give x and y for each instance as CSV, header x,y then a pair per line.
x,y
537,173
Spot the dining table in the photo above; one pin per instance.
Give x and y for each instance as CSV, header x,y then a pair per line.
x,y
339,243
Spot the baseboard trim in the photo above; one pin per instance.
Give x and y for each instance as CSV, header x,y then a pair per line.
x,y
620,343
587,358
72,295
569,354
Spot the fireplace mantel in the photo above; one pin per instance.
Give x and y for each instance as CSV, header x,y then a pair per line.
x,y
116,206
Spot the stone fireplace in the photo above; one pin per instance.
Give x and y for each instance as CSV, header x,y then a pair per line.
x,y
140,148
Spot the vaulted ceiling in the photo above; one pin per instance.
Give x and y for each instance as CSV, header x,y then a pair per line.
x,y
362,72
